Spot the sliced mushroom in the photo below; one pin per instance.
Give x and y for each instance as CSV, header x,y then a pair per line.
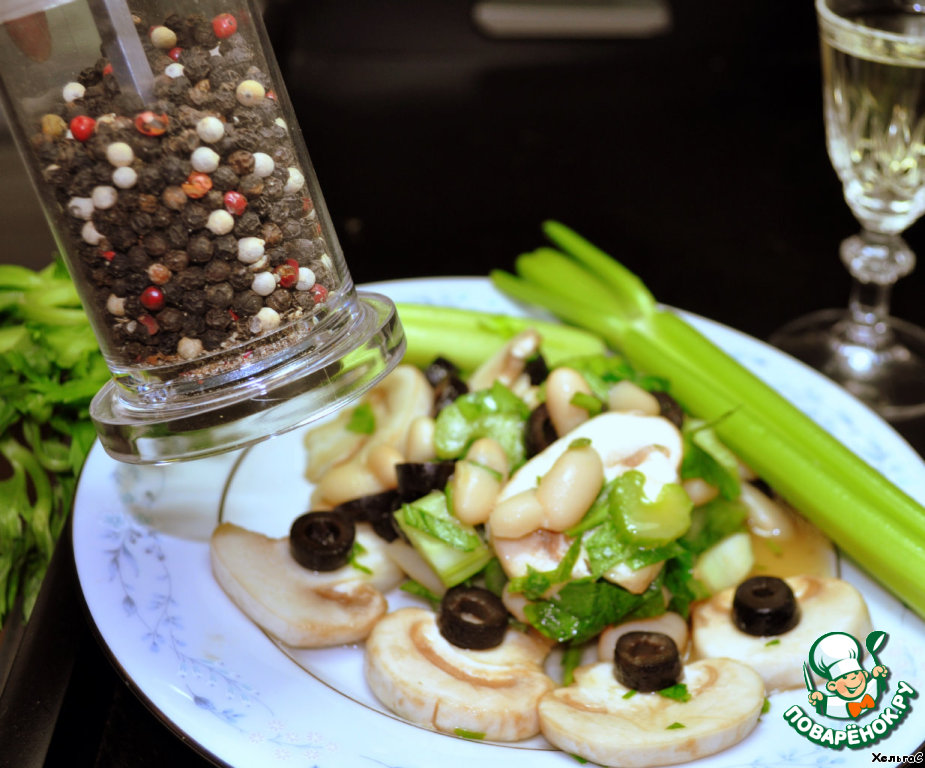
x,y
508,363
595,719
650,444
420,676
397,402
668,623
302,608
826,605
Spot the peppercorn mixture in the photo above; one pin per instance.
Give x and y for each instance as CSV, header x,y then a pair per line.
x,y
189,217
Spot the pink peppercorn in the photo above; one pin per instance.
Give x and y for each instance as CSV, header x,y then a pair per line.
x,y
235,202
82,127
152,298
224,25
319,292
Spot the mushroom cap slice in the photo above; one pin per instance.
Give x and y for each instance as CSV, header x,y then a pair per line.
x,y
593,718
826,605
420,676
300,607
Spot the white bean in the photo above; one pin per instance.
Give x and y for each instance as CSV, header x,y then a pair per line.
x,y
475,490
561,386
627,396
517,516
381,461
419,445
700,491
570,487
488,452
765,516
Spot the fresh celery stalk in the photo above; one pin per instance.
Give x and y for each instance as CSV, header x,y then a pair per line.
x,y
477,335
865,514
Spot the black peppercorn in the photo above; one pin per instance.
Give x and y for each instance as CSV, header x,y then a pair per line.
x,y
140,222
247,224
199,249
150,180
162,218
190,278
217,271
175,261
224,178
212,338
219,294
241,277
175,169
213,199
170,319
193,325
193,301
219,318
247,303
136,259
251,185
271,233
155,244
241,162
280,300
121,238
144,202
174,198
276,256
195,216
226,247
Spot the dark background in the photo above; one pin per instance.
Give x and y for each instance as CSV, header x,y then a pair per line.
x,y
696,157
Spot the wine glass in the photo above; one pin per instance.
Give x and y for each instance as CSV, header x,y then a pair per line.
x,y
873,71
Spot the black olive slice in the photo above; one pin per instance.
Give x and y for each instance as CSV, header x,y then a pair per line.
x,y
472,617
417,479
765,605
540,432
670,408
375,509
440,369
447,390
322,541
646,661
537,369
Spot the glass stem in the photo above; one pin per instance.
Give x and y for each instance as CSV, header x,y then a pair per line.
x,y
876,261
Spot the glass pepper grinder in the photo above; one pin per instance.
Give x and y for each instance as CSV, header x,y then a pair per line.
x,y
177,185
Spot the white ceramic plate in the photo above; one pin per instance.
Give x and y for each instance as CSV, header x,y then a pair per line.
x,y
140,542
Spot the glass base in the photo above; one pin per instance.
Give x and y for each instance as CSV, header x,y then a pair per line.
x,y
289,395
889,376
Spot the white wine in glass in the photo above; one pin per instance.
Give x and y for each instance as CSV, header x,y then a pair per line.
x,y
873,72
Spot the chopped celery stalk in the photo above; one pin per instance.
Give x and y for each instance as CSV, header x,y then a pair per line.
x,y
452,549
706,457
726,563
835,489
497,413
651,522
478,335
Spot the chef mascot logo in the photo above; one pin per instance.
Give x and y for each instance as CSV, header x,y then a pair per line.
x,y
851,694
851,691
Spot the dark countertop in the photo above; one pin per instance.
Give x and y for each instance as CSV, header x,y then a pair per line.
x,y
696,157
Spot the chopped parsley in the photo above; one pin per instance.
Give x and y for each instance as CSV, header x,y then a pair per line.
x,y
362,420
467,734
677,692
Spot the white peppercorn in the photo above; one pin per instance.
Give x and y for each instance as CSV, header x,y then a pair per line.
x,y
263,284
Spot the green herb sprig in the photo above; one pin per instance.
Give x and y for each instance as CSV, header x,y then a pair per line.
x,y
50,369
